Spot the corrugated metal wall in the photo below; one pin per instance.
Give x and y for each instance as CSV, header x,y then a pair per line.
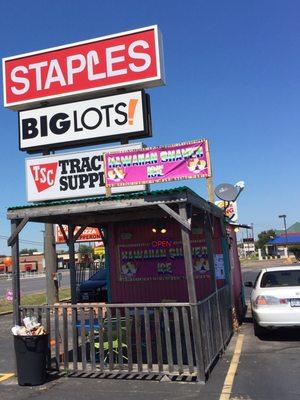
x,y
154,290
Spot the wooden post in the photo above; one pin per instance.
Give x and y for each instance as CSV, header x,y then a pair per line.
x,y
15,275
211,263
71,244
209,179
210,190
188,261
107,191
51,265
108,233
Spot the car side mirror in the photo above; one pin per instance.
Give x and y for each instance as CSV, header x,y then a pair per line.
x,y
248,284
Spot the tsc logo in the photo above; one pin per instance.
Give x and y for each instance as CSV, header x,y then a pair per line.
x,y
44,175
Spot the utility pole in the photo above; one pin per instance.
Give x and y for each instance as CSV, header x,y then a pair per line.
x,y
283,216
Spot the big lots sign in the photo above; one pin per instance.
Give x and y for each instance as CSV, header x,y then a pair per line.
x,y
69,175
126,59
91,121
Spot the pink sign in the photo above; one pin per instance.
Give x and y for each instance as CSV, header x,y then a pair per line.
x,y
149,261
9,295
158,164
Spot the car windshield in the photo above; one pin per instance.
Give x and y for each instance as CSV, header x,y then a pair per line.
x,y
99,275
280,278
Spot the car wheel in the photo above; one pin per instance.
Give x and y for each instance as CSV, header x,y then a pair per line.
x,y
259,331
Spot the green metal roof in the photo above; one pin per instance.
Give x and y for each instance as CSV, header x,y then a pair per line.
x,y
126,196
293,228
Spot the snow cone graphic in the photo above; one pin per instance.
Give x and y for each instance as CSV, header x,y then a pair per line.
x,y
128,269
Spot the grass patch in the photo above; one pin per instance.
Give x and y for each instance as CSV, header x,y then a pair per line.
x,y
36,299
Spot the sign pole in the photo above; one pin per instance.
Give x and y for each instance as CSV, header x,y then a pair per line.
x,y
50,263
210,190
209,179
107,191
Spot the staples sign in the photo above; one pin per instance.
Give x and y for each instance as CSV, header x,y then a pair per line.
x,y
81,70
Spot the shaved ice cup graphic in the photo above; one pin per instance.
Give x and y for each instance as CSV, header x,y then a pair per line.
x,y
9,295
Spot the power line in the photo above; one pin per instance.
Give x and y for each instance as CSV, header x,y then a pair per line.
x,y
23,240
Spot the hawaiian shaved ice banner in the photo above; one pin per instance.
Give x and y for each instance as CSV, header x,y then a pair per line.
x,y
186,160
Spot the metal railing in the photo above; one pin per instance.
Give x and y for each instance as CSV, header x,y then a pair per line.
x,y
85,270
216,324
23,275
154,338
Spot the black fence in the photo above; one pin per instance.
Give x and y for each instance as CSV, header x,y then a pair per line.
x,y
85,270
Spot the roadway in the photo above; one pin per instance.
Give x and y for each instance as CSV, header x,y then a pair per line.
x,y
30,285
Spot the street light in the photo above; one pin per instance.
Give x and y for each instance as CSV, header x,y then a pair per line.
x,y
286,236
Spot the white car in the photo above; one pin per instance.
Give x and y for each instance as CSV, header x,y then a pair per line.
x,y
275,299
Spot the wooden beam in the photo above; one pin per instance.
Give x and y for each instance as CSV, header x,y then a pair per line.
x,y
79,232
71,244
202,204
208,240
95,219
50,265
188,262
100,206
17,231
187,253
102,236
63,232
185,222
15,273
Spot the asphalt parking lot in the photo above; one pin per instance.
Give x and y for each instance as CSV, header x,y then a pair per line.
x,y
250,369
265,369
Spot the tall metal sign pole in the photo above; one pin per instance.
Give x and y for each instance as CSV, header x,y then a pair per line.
x,y
50,263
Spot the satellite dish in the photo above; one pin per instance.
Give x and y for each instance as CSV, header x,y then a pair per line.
x,y
227,192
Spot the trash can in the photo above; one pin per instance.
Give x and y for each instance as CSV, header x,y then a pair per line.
x,y
31,357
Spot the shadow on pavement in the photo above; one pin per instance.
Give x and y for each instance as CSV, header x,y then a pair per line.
x,y
278,335
283,335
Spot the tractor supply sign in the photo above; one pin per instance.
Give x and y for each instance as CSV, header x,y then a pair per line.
x,y
85,122
69,175
88,235
126,59
158,164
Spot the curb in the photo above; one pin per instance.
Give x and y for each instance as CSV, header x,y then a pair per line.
x,y
5,313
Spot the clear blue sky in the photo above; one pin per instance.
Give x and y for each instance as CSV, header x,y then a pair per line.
x,y
233,76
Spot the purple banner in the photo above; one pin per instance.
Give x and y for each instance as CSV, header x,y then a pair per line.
x,y
158,164
152,261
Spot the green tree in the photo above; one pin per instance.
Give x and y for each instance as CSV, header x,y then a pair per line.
x,y
264,237
84,249
28,251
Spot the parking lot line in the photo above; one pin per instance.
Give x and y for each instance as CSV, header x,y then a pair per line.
x,y
4,377
227,387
